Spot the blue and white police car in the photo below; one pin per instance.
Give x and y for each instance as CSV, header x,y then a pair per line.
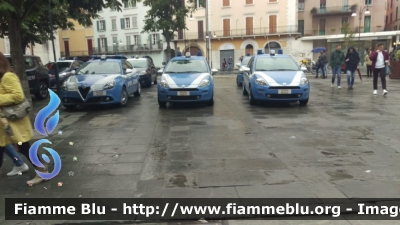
x,y
186,79
275,77
244,62
103,80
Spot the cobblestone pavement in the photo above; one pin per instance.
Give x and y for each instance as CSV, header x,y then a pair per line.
x,y
344,144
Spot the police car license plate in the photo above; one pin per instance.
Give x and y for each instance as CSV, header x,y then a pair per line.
x,y
99,93
284,91
183,93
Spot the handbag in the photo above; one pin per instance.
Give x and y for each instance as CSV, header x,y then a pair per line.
x,y
17,111
387,70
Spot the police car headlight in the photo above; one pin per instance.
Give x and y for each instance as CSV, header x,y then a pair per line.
x,y
204,83
303,81
64,85
262,82
164,84
109,85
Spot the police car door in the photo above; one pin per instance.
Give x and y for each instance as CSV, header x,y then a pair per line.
x,y
246,75
128,73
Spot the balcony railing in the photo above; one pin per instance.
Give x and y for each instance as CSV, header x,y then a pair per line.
x,y
74,53
339,30
346,9
261,31
128,48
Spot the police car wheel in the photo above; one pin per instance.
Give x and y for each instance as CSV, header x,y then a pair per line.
x,y
139,90
251,98
244,90
124,97
162,104
237,82
303,102
211,102
43,91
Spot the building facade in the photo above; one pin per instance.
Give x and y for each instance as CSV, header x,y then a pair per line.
x,y
323,23
244,26
44,51
392,20
120,33
77,42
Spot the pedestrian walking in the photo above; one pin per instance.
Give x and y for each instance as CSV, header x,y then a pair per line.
x,y
336,62
19,165
380,59
322,60
224,64
230,62
369,63
352,60
14,131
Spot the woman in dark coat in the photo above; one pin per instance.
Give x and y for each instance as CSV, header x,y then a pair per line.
x,y
352,59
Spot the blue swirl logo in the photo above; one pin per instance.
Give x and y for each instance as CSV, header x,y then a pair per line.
x,y
45,129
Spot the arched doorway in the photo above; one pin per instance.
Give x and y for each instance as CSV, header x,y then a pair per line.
x,y
273,46
193,50
249,49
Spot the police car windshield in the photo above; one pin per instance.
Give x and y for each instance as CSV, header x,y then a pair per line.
x,y
276,64
246,61
187,66
100,68
64,65
138,63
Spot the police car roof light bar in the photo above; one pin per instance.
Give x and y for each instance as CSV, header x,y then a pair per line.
x,y
187,54
199,53
104,57
259,52
179,54
272,52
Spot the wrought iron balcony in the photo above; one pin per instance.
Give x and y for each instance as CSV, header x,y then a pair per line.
x,y
252,32
129,49
335,10
339,30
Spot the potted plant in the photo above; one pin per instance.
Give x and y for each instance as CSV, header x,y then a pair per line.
x,y
395,66
314,10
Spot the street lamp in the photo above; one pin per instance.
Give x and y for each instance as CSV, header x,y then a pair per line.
x,y
191,17
360,12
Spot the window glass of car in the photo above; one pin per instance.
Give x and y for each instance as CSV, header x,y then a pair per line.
x,y
63,65
138,63
29,64
246,61
187,66
38,61
100,67
276,64
250,64
76,64
126,65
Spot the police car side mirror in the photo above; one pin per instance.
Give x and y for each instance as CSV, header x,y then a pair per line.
x,y
129,70
73,72
214,71
303,69
246,69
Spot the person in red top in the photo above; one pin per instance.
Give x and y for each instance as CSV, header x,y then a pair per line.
x,y
379,60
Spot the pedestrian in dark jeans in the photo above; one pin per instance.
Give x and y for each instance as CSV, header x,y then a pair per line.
x,y
336,62
352,60
379,60
322,60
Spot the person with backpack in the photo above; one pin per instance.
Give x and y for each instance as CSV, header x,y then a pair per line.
x,y
336,62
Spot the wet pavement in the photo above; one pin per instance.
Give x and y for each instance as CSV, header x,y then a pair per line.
x,y
344,144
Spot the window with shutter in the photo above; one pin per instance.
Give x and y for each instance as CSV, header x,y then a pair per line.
x,y
227,27
133,2
226,3
99,44
134,22
128,40
127,22
135,40
322,23
122,23
249,2
114,24
180,34
200,29
272,23
273,0
98,25
105,44
249,25
139,38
